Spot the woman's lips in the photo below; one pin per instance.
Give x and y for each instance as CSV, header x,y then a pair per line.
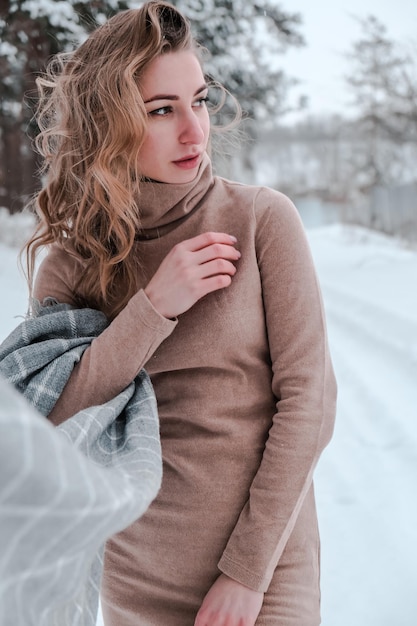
x,y
188,163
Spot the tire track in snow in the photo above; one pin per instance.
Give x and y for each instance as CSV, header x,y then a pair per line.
x,y
379,325
367,477
376,359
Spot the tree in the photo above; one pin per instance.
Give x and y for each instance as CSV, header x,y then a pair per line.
x,y
244,39
384,85
31,31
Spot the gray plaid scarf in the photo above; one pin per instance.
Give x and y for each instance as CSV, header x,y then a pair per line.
x,y
64,491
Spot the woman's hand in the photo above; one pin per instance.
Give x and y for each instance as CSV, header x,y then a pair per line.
x,y
229,603
192,269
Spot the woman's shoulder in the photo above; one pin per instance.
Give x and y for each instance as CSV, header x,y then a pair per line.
x,y
57,252
57,274
260,201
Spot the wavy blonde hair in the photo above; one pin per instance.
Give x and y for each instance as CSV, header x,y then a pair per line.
x,y
92,122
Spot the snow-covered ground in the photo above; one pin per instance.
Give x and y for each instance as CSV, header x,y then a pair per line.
x,y
367,478
366,482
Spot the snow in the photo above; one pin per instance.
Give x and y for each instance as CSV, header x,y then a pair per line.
x,y
366,479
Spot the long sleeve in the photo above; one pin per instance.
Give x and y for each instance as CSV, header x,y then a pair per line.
x,y
116,356
304,385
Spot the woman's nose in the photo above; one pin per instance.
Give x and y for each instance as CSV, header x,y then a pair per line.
x,y
191,130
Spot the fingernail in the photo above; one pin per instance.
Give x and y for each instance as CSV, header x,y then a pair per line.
x,y
233,238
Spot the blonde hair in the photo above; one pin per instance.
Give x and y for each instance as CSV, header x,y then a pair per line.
x,y
92,122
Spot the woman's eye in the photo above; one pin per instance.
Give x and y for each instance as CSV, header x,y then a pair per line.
x,y
201,101
161,111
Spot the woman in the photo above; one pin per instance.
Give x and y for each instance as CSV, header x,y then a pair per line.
x,y
210,285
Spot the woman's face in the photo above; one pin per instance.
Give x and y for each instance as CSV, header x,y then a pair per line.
x,y
174,91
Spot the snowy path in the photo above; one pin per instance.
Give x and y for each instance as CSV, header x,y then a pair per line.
x,y
366,482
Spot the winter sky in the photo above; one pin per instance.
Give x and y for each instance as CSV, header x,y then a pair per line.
x,y
329,29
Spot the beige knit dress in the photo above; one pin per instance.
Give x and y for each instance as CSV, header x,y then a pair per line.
x,y
246,397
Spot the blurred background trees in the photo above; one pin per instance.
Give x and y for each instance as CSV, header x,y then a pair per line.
x,y
383,80
362,165
31,32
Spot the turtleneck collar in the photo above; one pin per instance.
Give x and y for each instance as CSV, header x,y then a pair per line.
x,y
162,205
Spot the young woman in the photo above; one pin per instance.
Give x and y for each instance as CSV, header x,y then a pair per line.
x,y
209,285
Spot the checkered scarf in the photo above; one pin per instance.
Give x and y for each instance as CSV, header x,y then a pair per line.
x,y
64,491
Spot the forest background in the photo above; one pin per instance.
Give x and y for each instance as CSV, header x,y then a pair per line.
x,y
357,168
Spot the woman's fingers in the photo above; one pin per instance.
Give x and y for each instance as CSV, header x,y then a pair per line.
x,y
216,251
217,266
214,283
192,269
207,239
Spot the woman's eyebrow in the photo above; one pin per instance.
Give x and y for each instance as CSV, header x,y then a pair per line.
x,y
172,97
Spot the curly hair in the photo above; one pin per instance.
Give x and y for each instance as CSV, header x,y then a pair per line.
x,y
93,122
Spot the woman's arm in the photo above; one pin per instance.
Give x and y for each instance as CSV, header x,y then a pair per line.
x,y
303,383
115,357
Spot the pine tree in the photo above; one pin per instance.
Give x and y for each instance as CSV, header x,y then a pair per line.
x,y
383,81
31,31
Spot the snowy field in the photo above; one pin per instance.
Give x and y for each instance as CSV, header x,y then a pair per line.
x,y
366,482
